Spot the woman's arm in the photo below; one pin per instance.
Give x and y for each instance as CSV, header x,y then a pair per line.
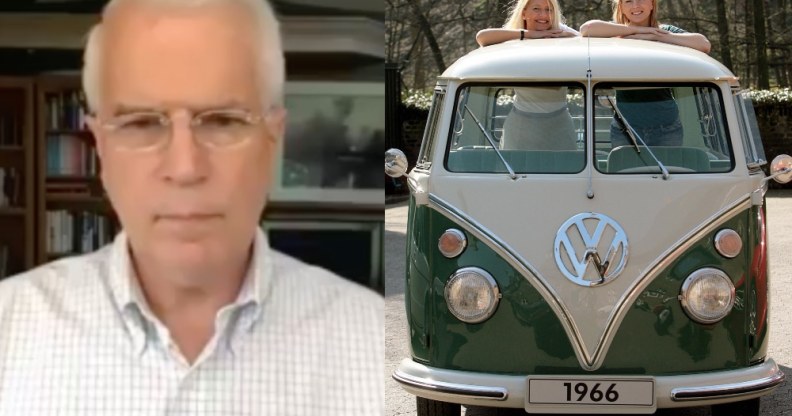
x,y
603,29
488,37
696,41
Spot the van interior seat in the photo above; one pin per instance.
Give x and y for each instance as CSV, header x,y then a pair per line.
x,y
625,157
522,161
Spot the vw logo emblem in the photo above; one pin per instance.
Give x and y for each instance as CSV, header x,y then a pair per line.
x,y
590,239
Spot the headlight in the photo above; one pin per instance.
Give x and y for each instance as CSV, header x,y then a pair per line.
x,y
707,295
472,295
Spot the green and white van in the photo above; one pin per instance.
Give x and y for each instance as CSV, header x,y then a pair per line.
x,y
597,275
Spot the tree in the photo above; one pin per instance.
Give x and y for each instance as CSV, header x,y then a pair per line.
x,y
763,71
424,36
723,35
426,29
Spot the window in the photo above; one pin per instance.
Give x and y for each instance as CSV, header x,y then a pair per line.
x,y
681,126
534,128
430,132
752,139
333,143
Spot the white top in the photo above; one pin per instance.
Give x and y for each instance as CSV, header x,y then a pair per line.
x,y
78,339
540,99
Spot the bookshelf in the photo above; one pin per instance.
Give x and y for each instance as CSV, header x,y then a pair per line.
x,y
74,215
17,219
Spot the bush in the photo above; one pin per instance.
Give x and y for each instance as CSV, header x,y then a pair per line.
x,y
772,96
419,99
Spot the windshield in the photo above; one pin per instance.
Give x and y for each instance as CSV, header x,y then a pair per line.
x,y
658,128
536,128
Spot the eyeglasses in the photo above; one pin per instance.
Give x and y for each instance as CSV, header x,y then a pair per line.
x,y
151,130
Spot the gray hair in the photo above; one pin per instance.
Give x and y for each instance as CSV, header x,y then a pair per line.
x,y
271,63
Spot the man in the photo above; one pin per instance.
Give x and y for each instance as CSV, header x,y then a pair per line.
x,y
188,312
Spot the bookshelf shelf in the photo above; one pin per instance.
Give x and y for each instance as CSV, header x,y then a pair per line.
x,y
73,132
90,203
9,148
12,211
72,178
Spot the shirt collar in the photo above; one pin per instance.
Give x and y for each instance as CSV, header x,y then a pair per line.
x,y
137,316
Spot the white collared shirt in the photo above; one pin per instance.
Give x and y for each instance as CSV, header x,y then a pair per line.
x,y
78,339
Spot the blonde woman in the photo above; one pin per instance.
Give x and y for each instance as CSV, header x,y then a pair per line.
x,y
529,19
637,19
652,113
539,119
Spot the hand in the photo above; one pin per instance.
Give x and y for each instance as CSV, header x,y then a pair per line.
x,y
647,33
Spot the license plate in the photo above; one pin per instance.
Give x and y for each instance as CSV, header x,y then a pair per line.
x,y
591,391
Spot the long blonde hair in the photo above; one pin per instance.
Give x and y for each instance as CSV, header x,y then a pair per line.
x,y
516,21
618,14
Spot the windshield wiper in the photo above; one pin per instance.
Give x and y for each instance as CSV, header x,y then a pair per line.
x,y
636,138
492,143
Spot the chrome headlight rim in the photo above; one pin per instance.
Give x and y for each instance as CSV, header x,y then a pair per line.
x,y
692,278
721,249
492,285
462,239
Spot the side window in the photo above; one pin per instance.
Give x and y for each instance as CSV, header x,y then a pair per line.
x,y
712,131
430,132
749,129
532,128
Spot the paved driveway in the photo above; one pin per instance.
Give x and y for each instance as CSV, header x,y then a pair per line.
x,y
779,208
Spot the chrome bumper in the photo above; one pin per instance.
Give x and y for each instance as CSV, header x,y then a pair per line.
x,y
494,390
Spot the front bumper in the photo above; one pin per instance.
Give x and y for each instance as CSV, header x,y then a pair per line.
x,y
496,390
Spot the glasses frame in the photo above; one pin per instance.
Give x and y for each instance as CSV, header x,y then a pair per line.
x,y
196,120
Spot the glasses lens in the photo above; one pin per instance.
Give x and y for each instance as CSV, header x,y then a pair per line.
x,y
224,128
138,130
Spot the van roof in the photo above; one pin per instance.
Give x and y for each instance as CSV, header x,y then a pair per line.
x,y
612,59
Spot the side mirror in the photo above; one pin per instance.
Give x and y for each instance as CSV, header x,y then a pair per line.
x,y
395,163
781,168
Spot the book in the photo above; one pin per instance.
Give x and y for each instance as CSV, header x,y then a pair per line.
x,y
66,111
4,200
4,262
9,187
77,232
10,134
70,155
